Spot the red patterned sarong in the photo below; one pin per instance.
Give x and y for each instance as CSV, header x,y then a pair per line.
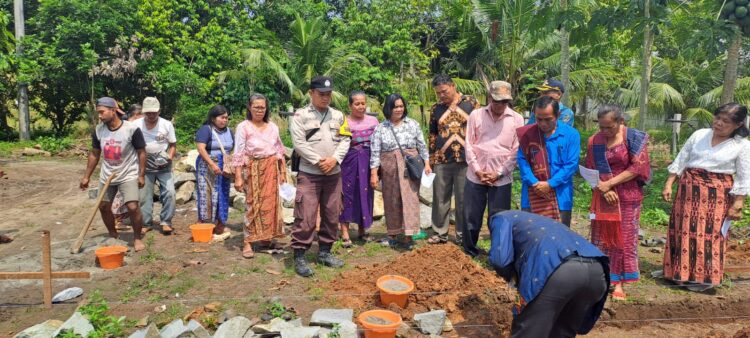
x,y
531,142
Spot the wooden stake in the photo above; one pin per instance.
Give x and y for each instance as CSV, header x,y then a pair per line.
x,y
46,275
79,241
47,269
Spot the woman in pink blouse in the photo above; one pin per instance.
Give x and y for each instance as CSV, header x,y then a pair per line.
x,y
258,149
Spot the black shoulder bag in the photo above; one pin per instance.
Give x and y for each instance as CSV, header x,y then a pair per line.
x,y
414,164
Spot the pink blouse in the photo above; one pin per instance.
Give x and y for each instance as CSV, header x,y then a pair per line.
x,y
250,142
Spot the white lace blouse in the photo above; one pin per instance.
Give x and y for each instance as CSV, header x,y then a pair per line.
x,y
729,157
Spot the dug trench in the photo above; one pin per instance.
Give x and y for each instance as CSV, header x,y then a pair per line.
x,y
478,302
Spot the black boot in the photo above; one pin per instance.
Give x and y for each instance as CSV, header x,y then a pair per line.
x,y
326,258
300,263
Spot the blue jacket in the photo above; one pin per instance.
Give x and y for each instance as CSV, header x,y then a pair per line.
x,y
566,115
563,149
534,247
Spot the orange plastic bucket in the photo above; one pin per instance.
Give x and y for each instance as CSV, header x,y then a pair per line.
x,y
202,232
111,257
380,323
394,289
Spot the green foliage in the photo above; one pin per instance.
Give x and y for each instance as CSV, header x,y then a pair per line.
x,y
53,144
276,309
104,324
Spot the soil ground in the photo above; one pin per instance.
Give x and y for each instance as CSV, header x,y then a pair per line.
x,y
184,276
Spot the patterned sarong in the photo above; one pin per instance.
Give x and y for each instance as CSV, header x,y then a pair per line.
x,y
400,194
263,220
212,193
695,247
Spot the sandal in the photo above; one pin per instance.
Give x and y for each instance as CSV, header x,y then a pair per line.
x,y
436,239
248,253
619,296
347,243
166,229
389,242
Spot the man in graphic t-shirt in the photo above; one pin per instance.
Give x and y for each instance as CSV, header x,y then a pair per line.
x,y
160,139
123,147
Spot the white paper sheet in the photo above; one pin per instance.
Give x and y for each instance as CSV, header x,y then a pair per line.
x,y
725,227
590,175
287,192
427,179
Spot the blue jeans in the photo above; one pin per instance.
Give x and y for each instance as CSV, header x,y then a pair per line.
x,y
166,196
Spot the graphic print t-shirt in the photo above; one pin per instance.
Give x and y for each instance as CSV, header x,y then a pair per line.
x,y
118,151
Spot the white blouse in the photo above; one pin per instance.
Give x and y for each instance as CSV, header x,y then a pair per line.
x,y
729,157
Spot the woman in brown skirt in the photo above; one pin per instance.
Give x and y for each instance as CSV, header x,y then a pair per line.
x,y
258,150
714,171
400,193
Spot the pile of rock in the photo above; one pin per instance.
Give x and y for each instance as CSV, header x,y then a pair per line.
x,y
324,323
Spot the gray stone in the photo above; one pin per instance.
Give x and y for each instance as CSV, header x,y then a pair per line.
x,y
42,330
77,323
67,294
232,193
226,315
233,328
174,329
197,329
347,329
301,332
93,193
425,216
149,332
403,330
276,325
182,177
288,215
448,325
378,209
425,195
185,193
430,322
328,317
187,162
239,202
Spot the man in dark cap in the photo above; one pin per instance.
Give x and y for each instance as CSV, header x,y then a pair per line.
x,y
561,278
316,138
555,89
124,154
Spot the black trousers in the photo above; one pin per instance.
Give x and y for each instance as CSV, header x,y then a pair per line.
x,y
477,198
563,304
565,216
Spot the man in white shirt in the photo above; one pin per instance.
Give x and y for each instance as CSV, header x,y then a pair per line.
x,y
160,150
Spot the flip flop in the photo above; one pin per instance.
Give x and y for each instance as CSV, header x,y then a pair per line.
x,y
247,254
436,240
347,243
166,229
619,296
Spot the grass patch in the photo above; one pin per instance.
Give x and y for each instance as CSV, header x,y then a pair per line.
x,y
316,294
146,283
104,325
372,249
150,255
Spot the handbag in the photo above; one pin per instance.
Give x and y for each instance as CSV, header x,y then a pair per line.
x,y
296,158
226,168
414,164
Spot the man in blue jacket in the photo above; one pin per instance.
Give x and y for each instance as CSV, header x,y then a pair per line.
x,y
555,90
562,279
548,156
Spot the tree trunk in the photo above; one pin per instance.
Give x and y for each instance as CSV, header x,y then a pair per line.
x,y
648,41
565,64
730,73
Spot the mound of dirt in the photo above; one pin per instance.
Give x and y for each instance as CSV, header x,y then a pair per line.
x,y
477,301
744,333
738,253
